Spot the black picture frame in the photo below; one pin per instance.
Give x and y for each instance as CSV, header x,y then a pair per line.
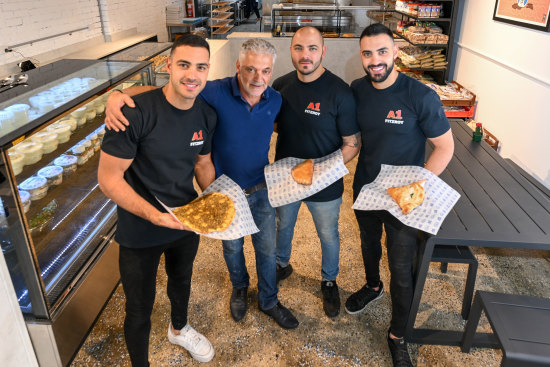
x,y
543,25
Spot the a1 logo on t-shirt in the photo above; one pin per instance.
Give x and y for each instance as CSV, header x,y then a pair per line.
x,y
197,139
313,108
394,117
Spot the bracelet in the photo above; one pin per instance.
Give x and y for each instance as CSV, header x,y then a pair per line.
x,y
117,90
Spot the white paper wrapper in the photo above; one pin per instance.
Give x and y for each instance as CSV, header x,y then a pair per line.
x,y
438,201
282,189
242,224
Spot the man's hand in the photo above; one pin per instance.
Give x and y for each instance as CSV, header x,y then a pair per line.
x,y
167,220
114,119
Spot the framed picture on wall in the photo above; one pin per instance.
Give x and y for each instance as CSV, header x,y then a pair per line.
x,y
526,13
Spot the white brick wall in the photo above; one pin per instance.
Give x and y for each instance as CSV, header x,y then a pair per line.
x,y
24,20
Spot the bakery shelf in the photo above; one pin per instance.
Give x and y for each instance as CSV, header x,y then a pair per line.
x,y
223,9
443,45
223,16
221,24
221,3
223,30
422,18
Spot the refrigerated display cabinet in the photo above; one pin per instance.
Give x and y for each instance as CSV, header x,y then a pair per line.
x,y
55,223
157,52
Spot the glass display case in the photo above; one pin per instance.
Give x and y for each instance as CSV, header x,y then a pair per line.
x,y
332,20
55,223
157,52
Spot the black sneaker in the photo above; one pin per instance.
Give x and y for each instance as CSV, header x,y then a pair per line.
x,y
237,303
358,301
399,352
331,298
283,272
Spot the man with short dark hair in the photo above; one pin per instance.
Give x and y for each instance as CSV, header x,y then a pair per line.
x,y
317,118
396,115
156,158
246,108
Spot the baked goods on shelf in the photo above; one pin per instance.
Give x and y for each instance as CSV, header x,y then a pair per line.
x,y
414,57
302,173
408,196
213,212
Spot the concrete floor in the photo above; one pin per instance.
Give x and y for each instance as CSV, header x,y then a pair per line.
x,y
347,340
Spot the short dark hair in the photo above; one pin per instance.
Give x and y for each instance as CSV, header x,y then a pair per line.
x,y
376,29
190,40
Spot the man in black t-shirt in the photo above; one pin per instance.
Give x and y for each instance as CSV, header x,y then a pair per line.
x,y
167,143
396,115
317,117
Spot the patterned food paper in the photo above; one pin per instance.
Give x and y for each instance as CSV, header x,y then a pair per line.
x,y
428,216
282,189
242,224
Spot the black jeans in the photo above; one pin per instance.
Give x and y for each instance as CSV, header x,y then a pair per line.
x,y
401,245
138,274
251,6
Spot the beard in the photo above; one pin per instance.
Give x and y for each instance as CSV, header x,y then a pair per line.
x,y
380,77
314,66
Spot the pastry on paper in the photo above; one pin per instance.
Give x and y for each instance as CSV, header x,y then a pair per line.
x,y
409,196
209,213
302,173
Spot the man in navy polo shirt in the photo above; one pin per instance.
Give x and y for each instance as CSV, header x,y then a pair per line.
x,y
246,108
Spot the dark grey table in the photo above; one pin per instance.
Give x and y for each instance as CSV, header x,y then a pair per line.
x,y
498,207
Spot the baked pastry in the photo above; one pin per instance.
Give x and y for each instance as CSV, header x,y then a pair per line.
x,y
302,173
209,213
409,196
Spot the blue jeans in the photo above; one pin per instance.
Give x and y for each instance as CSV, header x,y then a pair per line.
x,y
264,247
325,216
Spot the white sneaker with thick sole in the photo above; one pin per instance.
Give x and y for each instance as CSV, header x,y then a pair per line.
x,y
196,344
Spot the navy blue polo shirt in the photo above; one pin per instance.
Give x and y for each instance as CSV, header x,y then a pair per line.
x,y
240,144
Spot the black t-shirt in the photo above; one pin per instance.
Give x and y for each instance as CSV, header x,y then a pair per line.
x,y
163,142
313,118
395,123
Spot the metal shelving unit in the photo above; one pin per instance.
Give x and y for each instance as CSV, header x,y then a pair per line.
x,y
221,20
447,23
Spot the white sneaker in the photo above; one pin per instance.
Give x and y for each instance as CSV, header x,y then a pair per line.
x,y
196,344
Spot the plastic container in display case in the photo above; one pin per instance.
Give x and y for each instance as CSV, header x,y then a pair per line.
x,y
57,227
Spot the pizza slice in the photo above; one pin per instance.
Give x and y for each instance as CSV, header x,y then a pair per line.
x,y
409,196
209,213
302,173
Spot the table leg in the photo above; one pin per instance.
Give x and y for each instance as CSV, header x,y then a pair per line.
x,y
469,290
471,325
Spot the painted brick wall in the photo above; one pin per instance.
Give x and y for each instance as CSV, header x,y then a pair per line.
x,y
24,20
147,16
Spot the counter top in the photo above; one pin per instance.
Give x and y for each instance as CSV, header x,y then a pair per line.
x,y
250,35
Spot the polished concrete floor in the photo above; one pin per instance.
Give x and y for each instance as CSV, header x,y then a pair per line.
x,y
347,340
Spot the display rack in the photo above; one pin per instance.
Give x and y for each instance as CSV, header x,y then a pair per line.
x,y
447,22
221,20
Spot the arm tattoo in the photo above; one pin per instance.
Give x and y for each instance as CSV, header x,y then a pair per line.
x,y
352,141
